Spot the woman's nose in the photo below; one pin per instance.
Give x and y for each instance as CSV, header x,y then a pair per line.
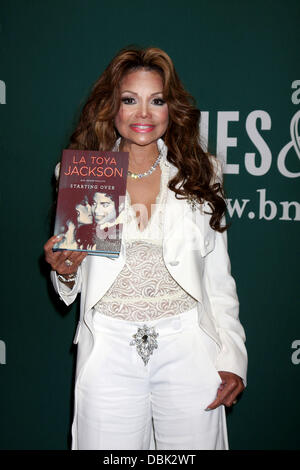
x,y
144,111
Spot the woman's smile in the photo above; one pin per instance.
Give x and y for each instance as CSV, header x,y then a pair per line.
x,y
142,127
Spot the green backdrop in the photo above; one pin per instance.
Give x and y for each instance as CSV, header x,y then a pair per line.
x,y
240,59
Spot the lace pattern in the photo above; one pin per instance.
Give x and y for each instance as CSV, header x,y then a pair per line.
x,y
144,289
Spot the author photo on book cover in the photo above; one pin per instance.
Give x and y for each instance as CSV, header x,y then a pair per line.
x,y
86,222
160,347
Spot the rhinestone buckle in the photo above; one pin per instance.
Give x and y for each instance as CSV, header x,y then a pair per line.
x,y
145,342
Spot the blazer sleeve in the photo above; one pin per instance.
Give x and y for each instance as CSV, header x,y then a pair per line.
x,y
66,294
224,305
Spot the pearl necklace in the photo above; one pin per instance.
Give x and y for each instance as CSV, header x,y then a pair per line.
x,y
146,173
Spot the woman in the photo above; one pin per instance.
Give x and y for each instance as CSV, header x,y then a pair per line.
x,y
85,224
77,229
160,346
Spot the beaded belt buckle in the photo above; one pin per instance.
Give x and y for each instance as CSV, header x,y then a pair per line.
x,y
145,342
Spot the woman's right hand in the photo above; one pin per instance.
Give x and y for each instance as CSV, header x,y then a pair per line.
x,y
57,259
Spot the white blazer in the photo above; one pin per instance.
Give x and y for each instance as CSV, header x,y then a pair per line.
x,y
196,256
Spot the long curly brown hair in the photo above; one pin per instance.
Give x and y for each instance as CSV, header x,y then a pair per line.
x,y
196,178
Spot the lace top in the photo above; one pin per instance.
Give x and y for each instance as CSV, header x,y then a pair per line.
x,y
144,289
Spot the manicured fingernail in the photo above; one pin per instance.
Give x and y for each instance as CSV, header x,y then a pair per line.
x,y
207,409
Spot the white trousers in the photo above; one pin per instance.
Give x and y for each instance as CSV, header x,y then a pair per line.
x,y
124,404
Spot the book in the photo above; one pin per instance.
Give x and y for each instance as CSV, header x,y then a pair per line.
x,y
91,201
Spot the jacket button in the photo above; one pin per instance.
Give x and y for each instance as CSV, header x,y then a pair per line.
x,y
174,263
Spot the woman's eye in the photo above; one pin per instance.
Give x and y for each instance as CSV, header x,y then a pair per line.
x,y
158,101
128,100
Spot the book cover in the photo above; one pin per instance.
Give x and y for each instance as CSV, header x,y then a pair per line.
x,y
91,200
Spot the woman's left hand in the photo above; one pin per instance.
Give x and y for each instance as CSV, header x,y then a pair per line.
x,y
231,386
